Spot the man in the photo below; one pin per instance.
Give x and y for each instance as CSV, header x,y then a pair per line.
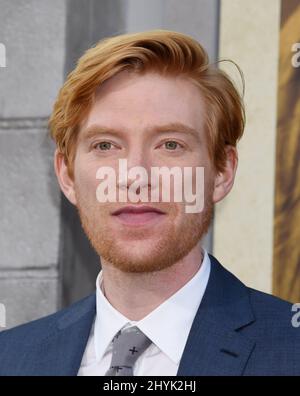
x,y
163,306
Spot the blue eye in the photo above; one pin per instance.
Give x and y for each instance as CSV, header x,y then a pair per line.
x,y
171,145
103,146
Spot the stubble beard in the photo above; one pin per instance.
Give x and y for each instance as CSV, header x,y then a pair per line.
x,y
177,240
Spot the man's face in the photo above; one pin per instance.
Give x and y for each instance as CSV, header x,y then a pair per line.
x,y
133,118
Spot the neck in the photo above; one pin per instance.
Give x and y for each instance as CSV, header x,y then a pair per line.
x,y
135,295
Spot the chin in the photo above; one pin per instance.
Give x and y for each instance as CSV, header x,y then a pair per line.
x,y
137,250
138,239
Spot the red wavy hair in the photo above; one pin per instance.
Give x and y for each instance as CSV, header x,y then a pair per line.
x,y
162,51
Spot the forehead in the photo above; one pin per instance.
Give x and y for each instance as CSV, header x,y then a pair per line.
x,y
137,100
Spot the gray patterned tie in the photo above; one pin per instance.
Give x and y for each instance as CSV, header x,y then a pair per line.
x,y
128,345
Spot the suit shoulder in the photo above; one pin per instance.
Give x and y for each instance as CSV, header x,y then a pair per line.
x,y
264,305
274,314
40,328
268,302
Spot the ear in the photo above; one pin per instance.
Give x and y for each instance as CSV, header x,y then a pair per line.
x,y
224,180
65,181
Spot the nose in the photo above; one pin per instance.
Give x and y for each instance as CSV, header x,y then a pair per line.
x,y
135,167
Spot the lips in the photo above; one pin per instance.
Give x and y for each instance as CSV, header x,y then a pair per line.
x,y
138,214
137,209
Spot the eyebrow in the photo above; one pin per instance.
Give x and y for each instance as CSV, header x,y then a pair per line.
x,y
97,129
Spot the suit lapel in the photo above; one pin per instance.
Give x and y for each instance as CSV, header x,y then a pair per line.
x,y
215,345
60,353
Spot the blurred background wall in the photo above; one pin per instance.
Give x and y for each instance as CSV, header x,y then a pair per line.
x,y
249,34
257,228
45,259
34,35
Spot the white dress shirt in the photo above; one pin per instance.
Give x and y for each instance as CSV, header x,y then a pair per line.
x,y
167,326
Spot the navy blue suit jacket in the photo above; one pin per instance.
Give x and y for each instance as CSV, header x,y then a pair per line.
x,y
236,331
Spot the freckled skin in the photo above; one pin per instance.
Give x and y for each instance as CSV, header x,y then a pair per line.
x,y
131,104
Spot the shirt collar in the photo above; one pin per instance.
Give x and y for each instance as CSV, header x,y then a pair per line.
x,y
177,312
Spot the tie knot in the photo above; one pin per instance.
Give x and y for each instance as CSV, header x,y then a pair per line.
x,y
128,345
